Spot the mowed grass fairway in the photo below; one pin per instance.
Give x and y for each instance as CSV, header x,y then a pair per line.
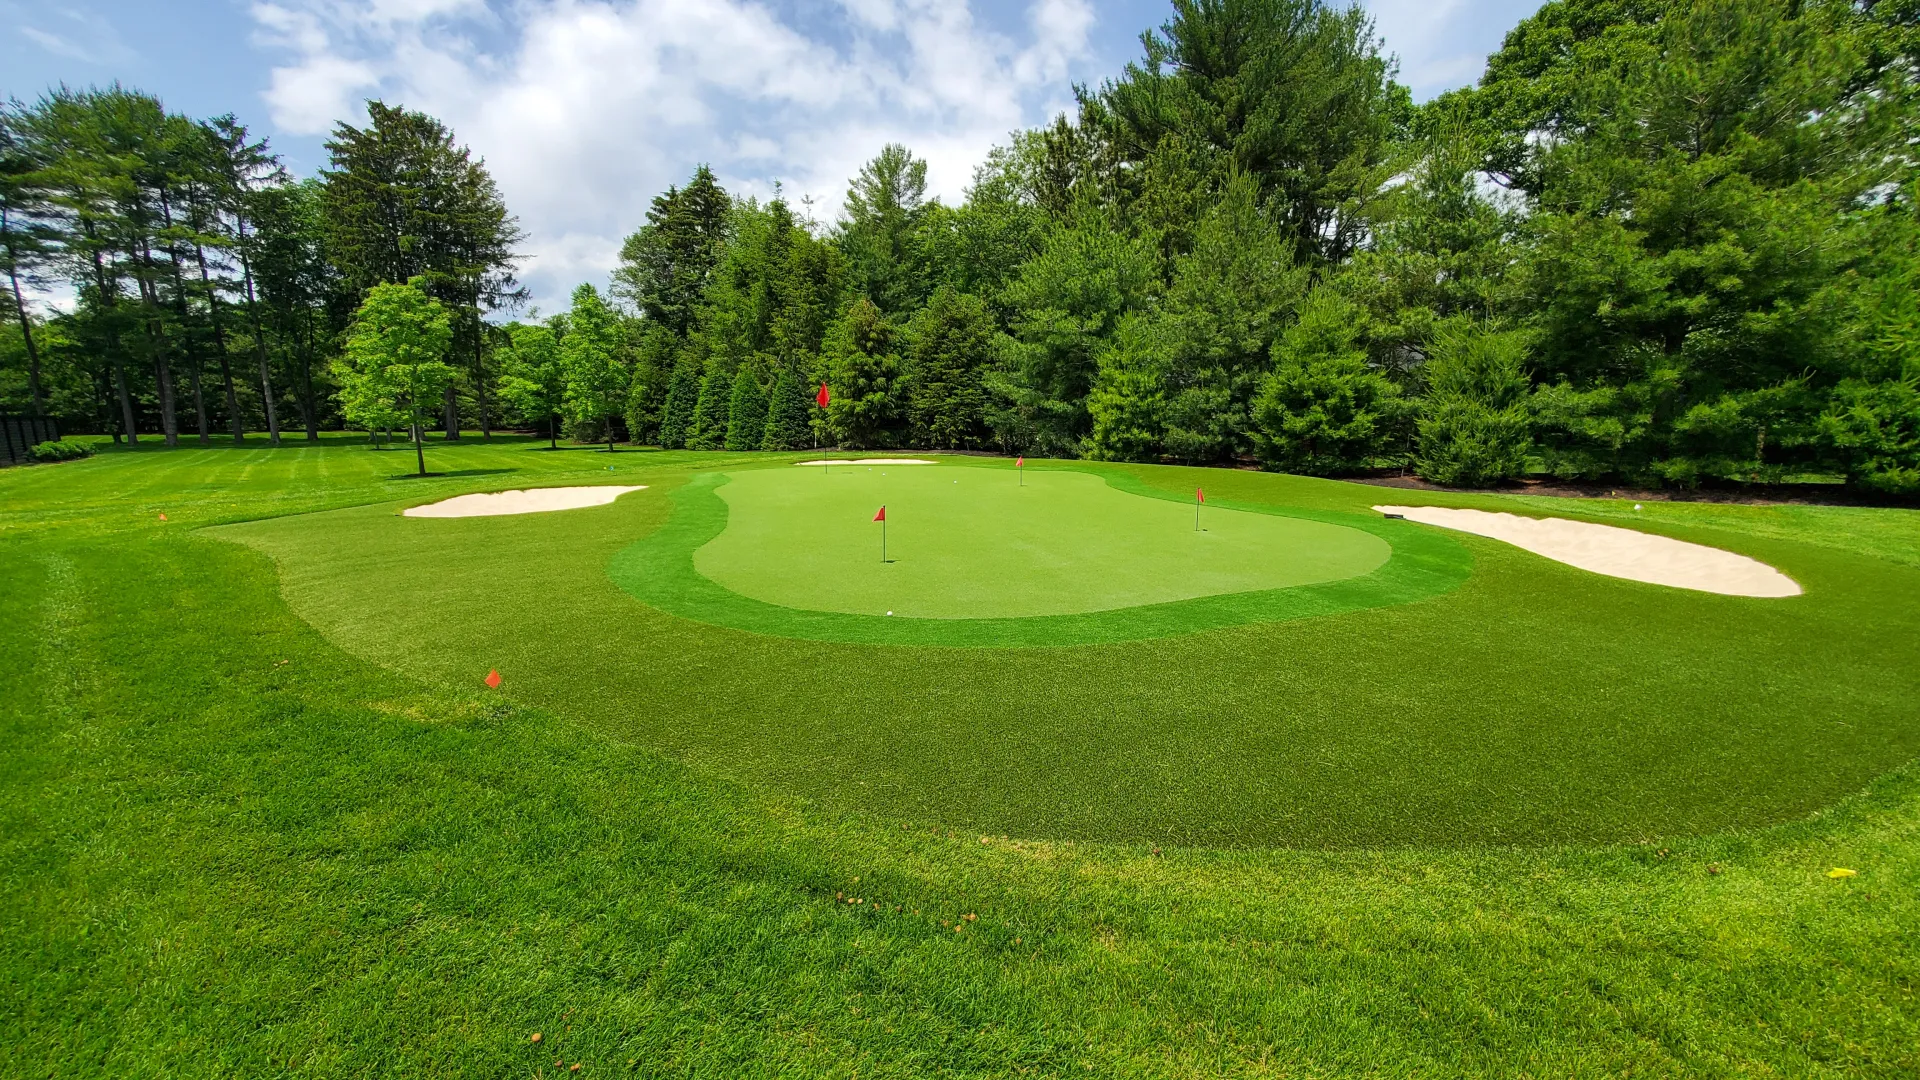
x,y
971,543
262,818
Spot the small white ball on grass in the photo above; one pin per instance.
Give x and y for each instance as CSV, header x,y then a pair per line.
x,y
889,612
1636,506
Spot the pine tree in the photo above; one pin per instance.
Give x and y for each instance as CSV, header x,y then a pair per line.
x,y
1474,425
951,344
789,411
746,412
865,377
710,416
677,420
1323,411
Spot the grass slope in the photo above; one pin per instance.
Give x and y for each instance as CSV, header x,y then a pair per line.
x,y
227,847
971,543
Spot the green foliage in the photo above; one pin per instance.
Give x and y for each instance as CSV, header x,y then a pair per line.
x,y
950,344
1127,402
863,371
679,417
393,370
1069,299
709,430
789,415
666,266
883,210
59,450
746,412
1323,411
533,379
593,362
1294,93
1475,425
1230,296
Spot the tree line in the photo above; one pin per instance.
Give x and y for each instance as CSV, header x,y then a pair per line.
x,y
1660,241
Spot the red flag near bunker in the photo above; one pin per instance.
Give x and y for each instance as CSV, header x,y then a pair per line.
x,y
823,397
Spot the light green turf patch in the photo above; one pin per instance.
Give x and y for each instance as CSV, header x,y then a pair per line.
x,y
664,571
970,543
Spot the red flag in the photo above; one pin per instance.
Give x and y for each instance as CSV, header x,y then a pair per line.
x,y
823,397
1020,461
1200,494
493,680
163,517
882,515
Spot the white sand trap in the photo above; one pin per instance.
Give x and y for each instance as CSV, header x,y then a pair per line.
x,y
530,501
869,461
1615,552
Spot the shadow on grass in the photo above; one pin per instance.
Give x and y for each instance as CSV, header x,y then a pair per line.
x,y
456,472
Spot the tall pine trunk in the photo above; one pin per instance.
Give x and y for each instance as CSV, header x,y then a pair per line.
x,y
260,349
157,343
453,416
306,381
220,348
193,356
26,325
107,298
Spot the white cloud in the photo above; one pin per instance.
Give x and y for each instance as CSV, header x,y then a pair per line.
x,y
585,109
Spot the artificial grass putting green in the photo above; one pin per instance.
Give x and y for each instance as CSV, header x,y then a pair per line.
x,y
978,543
1532,703
969,543
232,845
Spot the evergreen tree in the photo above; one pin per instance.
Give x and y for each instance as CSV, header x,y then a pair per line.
x,y
667,265
864,374
402,200
710,414
1322,411
950,344
1475,427
1294,93
1067,301
746,412
678,417
884,206
591,357
789,414
1230,296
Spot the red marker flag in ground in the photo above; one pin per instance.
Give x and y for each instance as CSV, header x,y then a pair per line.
x,y
1020,462
882,515
493,680
1200,494
823,397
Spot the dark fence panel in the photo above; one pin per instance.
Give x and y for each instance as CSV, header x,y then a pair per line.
x,y
20,434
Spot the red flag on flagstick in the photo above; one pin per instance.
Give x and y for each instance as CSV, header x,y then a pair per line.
x,y
1020,462
1200,494
493,680
882,515
823,397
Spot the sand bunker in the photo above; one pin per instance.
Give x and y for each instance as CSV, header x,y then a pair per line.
x,y
1615,552
869,461
531,501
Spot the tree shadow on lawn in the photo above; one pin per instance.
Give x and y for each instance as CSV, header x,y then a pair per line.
x,y
457,472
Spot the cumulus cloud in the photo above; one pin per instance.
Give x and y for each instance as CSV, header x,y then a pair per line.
x,y
584,109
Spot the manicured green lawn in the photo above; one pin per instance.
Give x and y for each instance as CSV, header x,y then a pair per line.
x,y
973,543
1528,703
232,843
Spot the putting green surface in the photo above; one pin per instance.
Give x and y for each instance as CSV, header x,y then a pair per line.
x,y
968,543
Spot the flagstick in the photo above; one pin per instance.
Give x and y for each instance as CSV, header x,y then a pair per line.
x,y
883,540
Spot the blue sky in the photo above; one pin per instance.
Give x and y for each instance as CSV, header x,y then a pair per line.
x,y
584,109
